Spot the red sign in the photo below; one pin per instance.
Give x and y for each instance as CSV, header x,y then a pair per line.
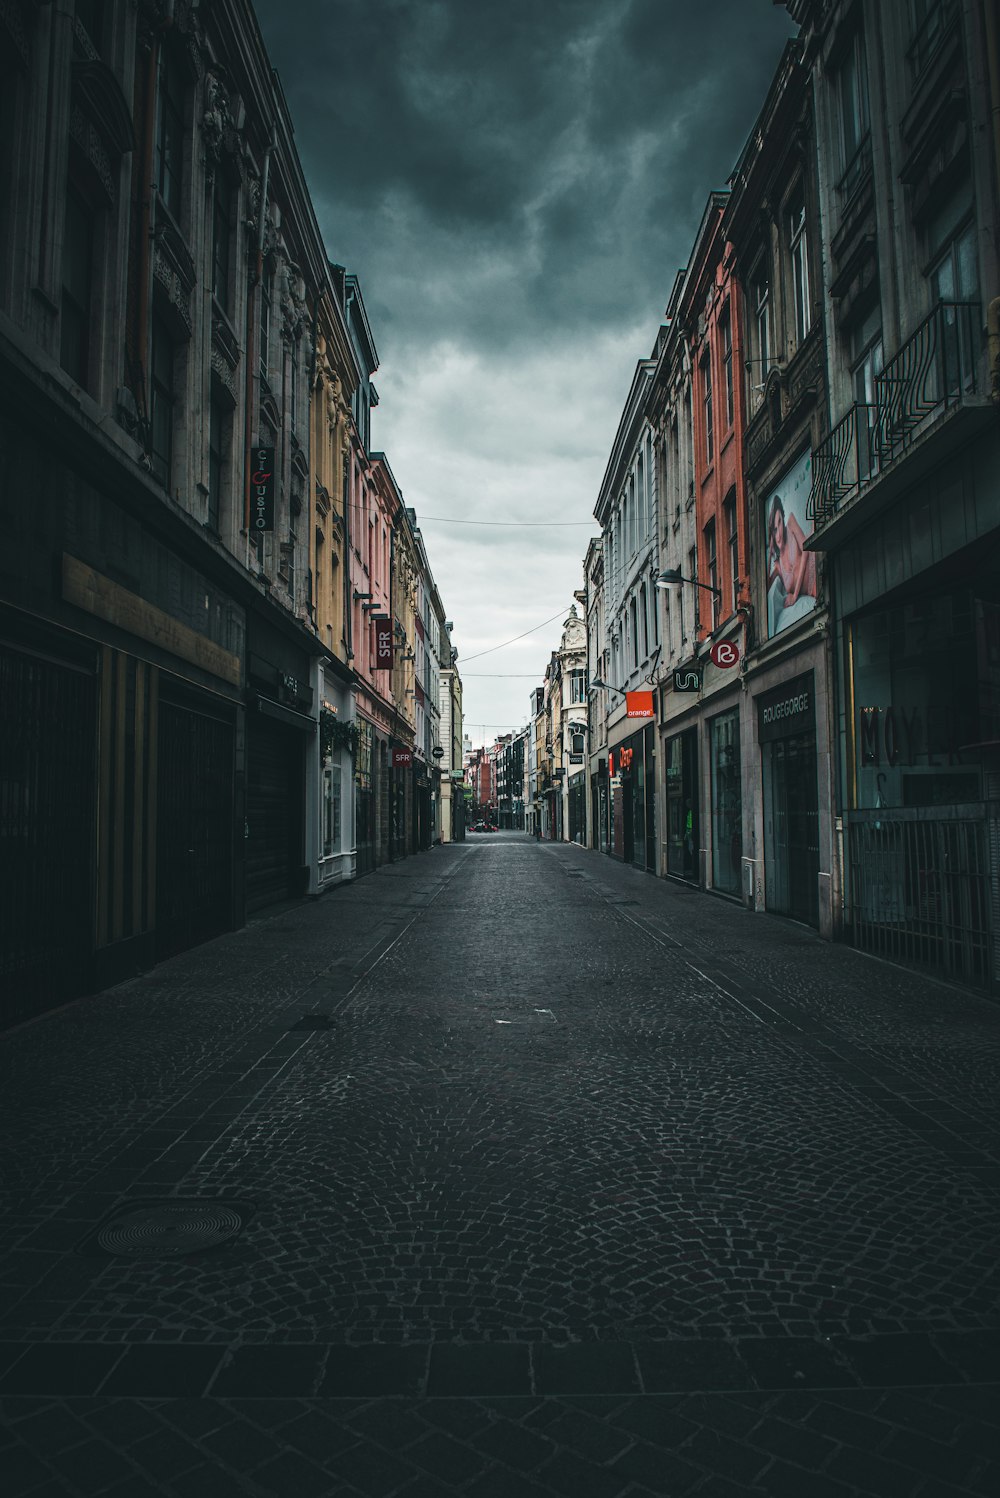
x,y
638,704
383,643
402,758
725,653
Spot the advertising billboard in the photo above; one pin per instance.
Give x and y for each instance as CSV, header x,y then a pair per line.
x,y
791,570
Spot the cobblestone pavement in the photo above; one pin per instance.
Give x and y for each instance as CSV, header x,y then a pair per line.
x,y
532,1175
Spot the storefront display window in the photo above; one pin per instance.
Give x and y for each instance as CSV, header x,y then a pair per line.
x,y
331,810
925,688
727,802
682,805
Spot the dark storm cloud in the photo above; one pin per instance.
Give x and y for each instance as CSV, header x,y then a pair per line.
x,y
539,156
516,183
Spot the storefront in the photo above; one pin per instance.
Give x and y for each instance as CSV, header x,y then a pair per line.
x,y
632,799
923,769
338,734
683,800
365,788
726,802
282,727
786,733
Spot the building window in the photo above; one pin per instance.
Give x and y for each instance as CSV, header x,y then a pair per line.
x,y
265,327
733,542
954,278
221,247
798,250
77,274
218,418
644,611
695,592
170,133
161,403
90,14
762,333
852,102
331,810
727,366
634,629
713,569
577,686
706,392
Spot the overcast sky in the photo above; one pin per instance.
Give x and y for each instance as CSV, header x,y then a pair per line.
x,y
515,183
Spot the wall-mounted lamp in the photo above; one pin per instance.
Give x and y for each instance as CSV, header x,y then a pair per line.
x,y
597,682
671,578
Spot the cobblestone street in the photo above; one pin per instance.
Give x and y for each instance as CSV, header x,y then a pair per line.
x,y
531,1174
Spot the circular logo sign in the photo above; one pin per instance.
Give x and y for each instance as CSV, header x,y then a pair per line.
x,y
725,653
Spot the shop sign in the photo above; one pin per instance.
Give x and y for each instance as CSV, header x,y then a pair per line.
x,y
620,760
262,489
725,654
638,704
402,759
615,782
687,678
786,711
382,628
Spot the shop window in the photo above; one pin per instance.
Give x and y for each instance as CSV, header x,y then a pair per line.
x,y
77,280
727,802
331,809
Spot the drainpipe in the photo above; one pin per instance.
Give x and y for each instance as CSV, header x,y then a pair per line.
x,y
251,330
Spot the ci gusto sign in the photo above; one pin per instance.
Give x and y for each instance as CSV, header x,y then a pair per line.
x,y
262,489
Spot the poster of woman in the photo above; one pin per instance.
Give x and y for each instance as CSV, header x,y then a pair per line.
x,y
791,570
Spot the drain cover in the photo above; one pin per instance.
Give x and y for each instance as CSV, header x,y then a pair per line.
x,y
168,1230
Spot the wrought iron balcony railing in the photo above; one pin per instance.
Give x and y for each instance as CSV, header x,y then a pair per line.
x,y
936,369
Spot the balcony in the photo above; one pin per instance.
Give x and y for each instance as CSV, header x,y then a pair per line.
x,y
925,398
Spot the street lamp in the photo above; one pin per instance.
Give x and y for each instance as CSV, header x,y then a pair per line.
x,y
671,578
597,682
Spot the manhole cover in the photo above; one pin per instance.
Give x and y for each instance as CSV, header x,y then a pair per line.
x,y
169,1230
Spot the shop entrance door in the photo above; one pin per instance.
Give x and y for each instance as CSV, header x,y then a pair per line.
x,y
791,828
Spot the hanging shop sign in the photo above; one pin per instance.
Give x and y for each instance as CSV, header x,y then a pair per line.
x,y
687,678
262,489
725,654
638,704
402,759
382,634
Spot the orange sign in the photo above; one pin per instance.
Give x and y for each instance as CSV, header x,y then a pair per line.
x,y
638,704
